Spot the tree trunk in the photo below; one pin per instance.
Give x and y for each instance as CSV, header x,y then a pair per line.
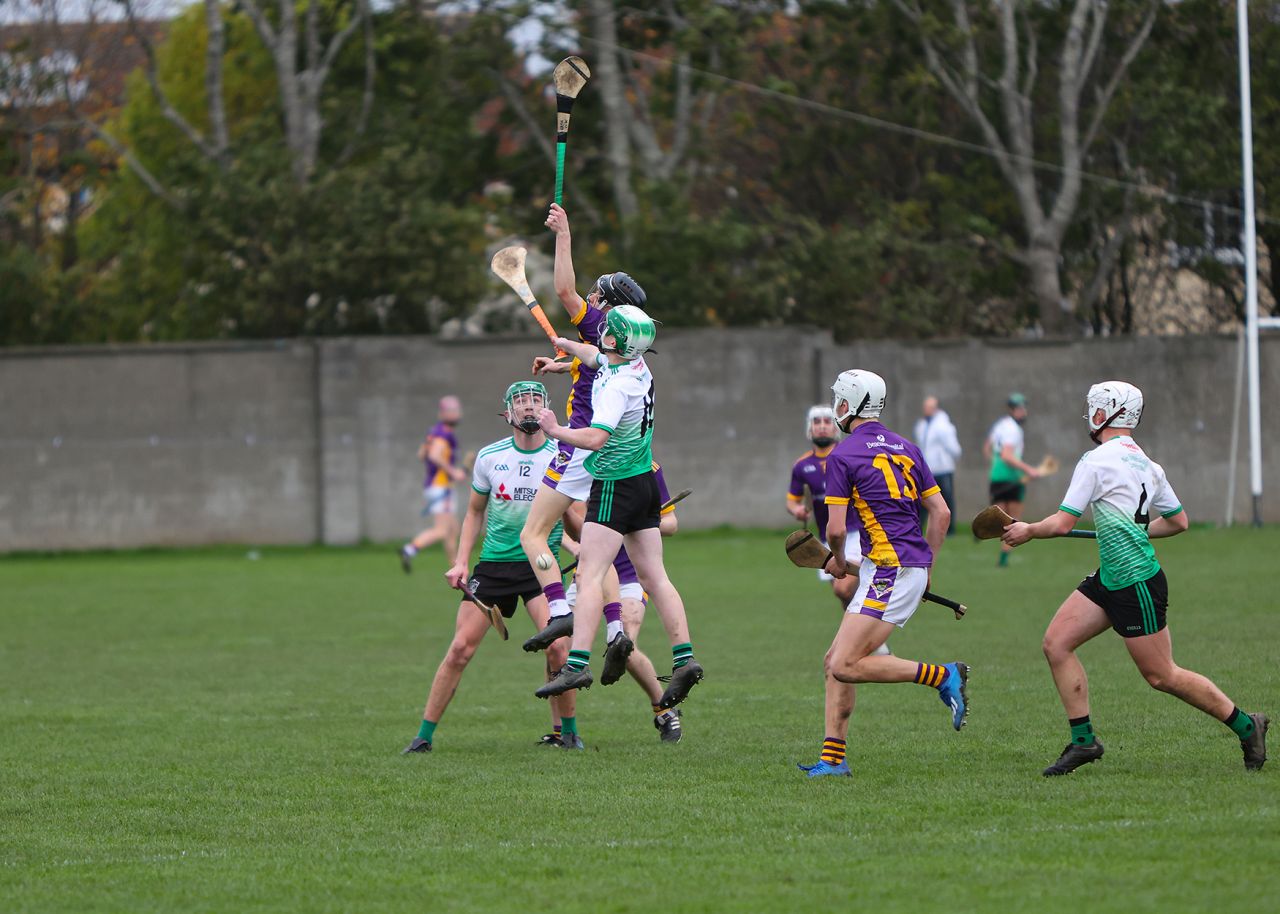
x,y
617,110
1046,285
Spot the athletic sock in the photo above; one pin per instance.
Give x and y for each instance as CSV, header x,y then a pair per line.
x,y
578,661
1240,723
409,549
613,616
1081,731
931,674
570,724
681,654
1004,559
658,710
833,751
556,729
554,592
427,730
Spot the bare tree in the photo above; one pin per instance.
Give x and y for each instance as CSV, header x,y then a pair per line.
x,y
300,79
1002,107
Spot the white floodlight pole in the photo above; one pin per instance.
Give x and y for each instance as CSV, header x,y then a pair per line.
x,y
1250,264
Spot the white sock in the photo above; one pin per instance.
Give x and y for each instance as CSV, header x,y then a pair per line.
x,y
559,608
410,549
612,630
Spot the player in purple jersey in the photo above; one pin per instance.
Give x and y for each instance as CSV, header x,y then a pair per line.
x,y
883,477
439,454
566,479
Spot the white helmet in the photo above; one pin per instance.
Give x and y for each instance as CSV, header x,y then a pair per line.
x,y
1119,400
817,412
863,391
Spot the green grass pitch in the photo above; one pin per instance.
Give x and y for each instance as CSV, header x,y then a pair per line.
x,y
197,730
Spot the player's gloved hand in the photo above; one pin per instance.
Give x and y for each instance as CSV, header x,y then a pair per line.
x,y
456,576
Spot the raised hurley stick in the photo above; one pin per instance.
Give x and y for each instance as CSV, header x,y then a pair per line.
x,y
492,612
990,522
508,265
806,551
678,497
570,75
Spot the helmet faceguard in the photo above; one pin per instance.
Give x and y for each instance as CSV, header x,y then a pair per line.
x,y
1120,402
519,397
862,391
819,412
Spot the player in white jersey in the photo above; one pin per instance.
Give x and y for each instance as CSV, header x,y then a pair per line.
x,y
1132,504
504,481
623,506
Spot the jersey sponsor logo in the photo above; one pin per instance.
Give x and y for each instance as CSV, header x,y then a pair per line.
x,y
501,468
523,493
893,446
502,494
811,469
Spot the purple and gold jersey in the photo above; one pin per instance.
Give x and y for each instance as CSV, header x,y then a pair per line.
x,y
882,476
436,476
590,323
810,472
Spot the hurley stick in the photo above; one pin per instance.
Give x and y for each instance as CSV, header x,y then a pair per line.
x,y
508,264
989,524
491,612
805,551
570,75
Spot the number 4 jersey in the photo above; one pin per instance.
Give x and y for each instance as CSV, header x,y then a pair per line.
x,y
509,476
882,476
1126,488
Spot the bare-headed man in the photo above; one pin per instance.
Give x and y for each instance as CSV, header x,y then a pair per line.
x,y
439,452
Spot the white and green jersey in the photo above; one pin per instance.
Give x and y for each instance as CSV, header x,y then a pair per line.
x,y
622,400
510,477
1125,488
1007,430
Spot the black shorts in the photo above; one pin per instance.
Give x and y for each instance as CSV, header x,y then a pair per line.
x,y
1134,611
625,505
1007,491
504,584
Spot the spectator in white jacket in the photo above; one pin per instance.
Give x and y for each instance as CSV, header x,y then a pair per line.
x,y
935,434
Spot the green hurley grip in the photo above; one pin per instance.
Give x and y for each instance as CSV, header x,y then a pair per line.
x,y
560,146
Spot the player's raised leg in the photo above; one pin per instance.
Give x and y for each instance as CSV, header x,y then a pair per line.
x,y
645,549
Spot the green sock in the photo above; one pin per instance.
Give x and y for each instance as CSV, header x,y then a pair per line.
x,y
427,730
569,725
1081,731
1240,723
578,660
681,654
1004,559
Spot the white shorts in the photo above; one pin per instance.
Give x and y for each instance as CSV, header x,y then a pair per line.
x,y
573,480
851,556
439,500
889,592
632,591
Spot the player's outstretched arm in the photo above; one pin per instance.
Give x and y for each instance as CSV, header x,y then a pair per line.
x,y
1163,527
583,352
590,439
1009,457
1060,523
467,539
566,282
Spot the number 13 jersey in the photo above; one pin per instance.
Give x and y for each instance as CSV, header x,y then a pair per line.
x,y
882,476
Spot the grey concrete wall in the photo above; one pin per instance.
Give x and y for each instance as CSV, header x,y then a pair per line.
x,y
303,442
